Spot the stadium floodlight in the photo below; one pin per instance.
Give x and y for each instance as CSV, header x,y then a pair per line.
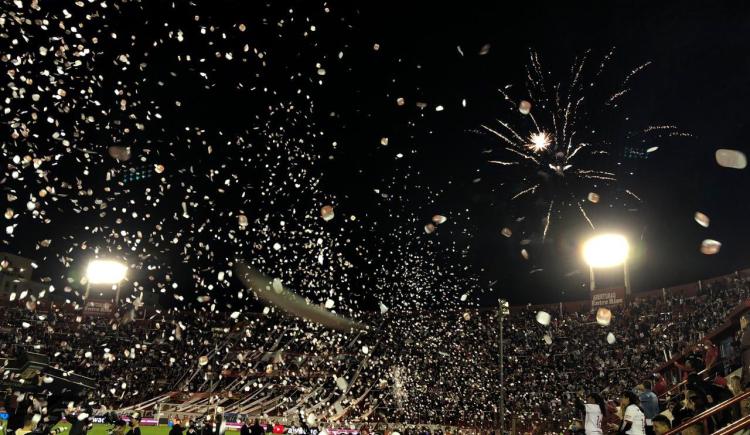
x,y
105,272
504,307
605,251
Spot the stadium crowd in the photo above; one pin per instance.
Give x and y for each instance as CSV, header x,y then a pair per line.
x,y
436,368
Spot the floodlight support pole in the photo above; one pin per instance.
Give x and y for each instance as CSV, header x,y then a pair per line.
x,y
502,380
501,316
625,274
626,277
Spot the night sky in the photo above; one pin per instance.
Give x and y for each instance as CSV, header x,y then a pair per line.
x,y
324,128
698,80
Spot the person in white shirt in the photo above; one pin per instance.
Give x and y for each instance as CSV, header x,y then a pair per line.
x,y
633,418
595,411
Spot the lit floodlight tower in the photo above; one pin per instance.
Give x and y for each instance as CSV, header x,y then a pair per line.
x,y
105,272
606,251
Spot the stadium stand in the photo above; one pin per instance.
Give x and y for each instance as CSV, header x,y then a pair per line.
x,y
426,368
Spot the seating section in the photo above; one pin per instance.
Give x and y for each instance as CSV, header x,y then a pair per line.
x,y
436,367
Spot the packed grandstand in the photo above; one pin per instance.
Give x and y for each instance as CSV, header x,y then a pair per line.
x,y
423,368
304,213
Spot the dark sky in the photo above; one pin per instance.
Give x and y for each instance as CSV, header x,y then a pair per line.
x,y
699,80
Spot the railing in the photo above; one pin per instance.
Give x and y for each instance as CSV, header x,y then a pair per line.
x,y
731,322
704,374
703,416
734,427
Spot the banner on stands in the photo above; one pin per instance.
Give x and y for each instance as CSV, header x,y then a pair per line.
x,y
95,308
607,297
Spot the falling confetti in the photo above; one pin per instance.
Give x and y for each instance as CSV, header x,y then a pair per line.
x,y
710,247
611,338
702,219
439,219
524,107
119,142
603,316
731,159
543,318
119,153
326,212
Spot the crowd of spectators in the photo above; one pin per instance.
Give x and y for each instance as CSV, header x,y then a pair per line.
x,y
546,367
419,368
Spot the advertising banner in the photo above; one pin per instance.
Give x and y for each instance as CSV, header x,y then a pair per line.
x,y
608,297
97,308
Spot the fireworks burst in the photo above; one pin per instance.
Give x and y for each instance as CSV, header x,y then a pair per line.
x,y
539,141
551,135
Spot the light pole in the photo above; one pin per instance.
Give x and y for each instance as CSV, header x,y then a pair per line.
x,y
605,251
502,312
105,272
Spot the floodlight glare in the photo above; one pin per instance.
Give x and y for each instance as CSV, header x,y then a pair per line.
x,y
105,272
606,250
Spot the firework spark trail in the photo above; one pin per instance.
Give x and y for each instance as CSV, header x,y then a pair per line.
x,y
554,126
507,98
531,115
573,85
567,148
573,120
575,151
514,105
549,218
539,71
583,212
651,128
525,156
595,172
605,60
633,195
618,95
533,56
679,134
531,189
532,94
539,81
670,130
498,134
599,177
500,162
556,114
510,129
624,87
635,71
